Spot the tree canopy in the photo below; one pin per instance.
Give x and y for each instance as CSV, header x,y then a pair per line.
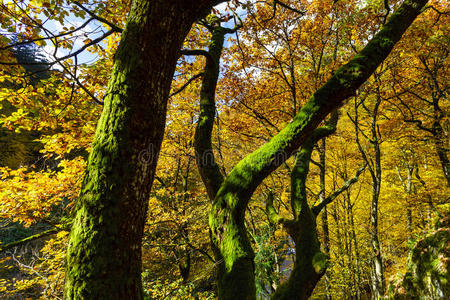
x,y
224,149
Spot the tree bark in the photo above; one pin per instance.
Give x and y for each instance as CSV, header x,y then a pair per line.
x,y
104,253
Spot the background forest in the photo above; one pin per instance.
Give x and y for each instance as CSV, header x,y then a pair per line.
x,y
378,179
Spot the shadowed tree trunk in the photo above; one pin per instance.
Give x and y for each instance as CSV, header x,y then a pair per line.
x,y
104,253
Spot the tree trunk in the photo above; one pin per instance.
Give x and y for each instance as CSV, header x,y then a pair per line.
x,y
310,263
325,229
355,243
104,253
377,272
378,269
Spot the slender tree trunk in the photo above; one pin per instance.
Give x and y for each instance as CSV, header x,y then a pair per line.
x,y
340,250
377,272
409,188
104,253
325,229
355,243
378,269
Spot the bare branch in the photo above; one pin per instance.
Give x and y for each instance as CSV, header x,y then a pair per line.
x,y
274,5
91,43
98,18
317,208
48,37
186,84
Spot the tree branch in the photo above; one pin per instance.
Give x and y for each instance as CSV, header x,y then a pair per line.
x,y
274,5
91,43
186,84
194,52
48,37
250,171
204,154
317,208
98,18
30,239
272,215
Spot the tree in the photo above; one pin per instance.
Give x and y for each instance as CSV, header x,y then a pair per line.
x,y
108,185
310,263
374,166
104,253
231,194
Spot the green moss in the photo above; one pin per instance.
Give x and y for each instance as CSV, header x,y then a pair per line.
x,y
427,269
320,262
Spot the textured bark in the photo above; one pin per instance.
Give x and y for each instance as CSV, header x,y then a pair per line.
x,y
104,253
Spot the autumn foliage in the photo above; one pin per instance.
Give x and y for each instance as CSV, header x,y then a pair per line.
x,y
269,68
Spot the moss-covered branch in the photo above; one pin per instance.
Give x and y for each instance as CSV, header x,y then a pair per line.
x,y
272,215
302,162
226,219
310,263
250,171
34,237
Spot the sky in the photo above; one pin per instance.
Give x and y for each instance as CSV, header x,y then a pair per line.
x,y
93,30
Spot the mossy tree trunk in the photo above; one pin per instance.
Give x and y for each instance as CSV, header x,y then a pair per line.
x,y
104,253
310,263
237,283
229,237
